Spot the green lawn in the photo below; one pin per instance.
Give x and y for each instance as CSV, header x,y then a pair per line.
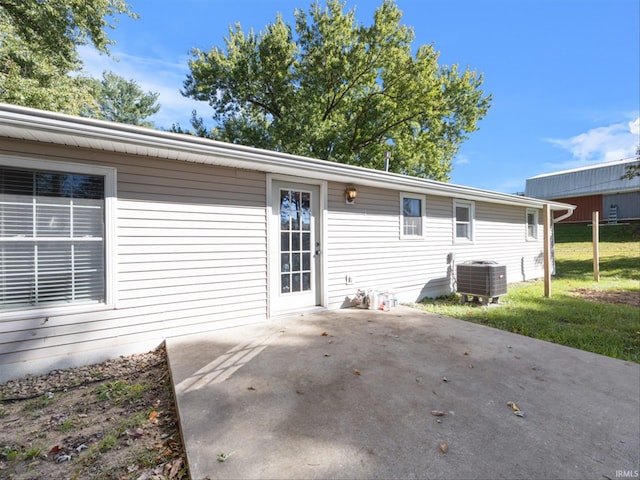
x,y
567,317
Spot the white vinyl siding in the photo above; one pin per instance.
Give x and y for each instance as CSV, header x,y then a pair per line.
x,y
365,245
189,252
190,256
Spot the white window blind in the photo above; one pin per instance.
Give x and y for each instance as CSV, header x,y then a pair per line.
x,y
52,240
411,217
463,212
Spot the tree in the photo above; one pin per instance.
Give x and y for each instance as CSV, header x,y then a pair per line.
x,y
38,49
340,91
121,100
633,170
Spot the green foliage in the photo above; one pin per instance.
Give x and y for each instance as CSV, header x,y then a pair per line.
x,y
121,100
119,391
339,91
10,453
38,49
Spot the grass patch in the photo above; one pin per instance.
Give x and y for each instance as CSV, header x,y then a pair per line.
x,y
120,391
569,317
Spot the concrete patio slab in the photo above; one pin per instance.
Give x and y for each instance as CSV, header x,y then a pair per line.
x,y
349,394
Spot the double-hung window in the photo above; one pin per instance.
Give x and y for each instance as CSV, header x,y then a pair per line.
x,y
412,215
532,224
463,219
53,248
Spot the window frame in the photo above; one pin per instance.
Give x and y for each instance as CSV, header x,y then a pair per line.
x,y
470,205
110,181
423,215
536,219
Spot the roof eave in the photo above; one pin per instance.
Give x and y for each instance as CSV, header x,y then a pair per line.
x,y
36,125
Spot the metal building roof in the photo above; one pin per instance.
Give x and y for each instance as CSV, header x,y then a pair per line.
x,y
601,178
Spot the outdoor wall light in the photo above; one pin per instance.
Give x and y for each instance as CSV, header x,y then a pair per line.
x,y
351,194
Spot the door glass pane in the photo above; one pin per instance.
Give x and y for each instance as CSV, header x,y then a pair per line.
x,y
305,210
285,265
295,282
284,210
284,241
285,283
295,241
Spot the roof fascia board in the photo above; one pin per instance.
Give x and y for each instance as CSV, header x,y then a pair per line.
x,y
30,124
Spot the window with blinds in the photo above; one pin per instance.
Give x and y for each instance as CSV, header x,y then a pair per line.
x,y
52,238
463,214
412,216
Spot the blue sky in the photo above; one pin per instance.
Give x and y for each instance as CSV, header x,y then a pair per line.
x,y
564,74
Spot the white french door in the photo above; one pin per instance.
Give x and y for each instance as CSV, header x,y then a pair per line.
x,y
295,247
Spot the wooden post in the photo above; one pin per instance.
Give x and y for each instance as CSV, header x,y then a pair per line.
x,y
596,246
546,214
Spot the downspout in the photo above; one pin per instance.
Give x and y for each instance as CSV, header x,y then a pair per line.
x,y
549,257
562,217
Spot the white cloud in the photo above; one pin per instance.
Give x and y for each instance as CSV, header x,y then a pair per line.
x,y
601,144
461,159
151,74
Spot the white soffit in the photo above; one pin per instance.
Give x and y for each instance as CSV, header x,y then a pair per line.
x,y
47,127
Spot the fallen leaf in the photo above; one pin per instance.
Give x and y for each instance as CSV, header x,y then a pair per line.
x,y
56,449
356,372
514,407
175,469
250,388
324,334
137,433
444,447
153,415
437,413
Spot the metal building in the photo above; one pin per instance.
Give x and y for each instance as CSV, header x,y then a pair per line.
x,y
601,187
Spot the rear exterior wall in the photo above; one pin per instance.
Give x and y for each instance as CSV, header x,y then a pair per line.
x,y
191,256
365,245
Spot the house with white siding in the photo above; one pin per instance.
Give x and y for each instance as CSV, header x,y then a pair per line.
x,y
115,237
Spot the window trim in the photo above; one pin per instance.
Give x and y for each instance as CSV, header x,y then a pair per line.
x,y
110,196
472,215
536,219
423,215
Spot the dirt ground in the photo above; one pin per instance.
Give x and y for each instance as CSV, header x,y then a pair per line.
x,y
620,297
114,420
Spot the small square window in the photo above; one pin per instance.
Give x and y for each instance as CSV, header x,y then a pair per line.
x,y
463,220
412,216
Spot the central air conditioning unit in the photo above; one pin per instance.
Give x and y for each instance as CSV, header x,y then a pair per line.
x,y
483,279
